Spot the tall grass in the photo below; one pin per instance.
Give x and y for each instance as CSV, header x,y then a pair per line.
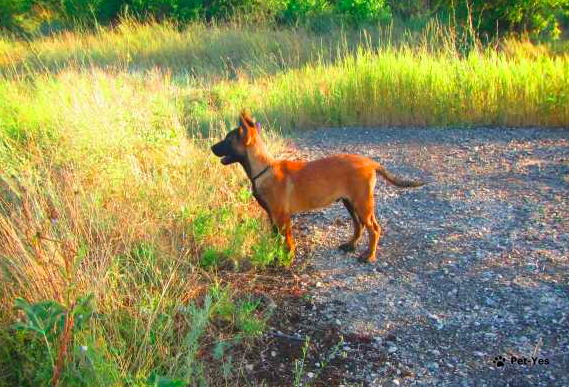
x,y
103,193
107,185
300,79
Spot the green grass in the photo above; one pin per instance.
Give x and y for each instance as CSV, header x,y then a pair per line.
x,y
108,187
298,79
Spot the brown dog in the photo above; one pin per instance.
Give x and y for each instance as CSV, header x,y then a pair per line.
x,y
284,188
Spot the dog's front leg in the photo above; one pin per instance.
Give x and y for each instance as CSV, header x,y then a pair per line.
x,y
284,226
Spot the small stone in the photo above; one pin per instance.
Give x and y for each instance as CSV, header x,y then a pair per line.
x,y
273,353
433,366
249,367
396,382
392,349
310,375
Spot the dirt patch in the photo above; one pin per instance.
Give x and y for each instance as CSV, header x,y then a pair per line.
x,y
471,267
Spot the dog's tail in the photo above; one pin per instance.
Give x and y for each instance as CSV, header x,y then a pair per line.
x,y
396,181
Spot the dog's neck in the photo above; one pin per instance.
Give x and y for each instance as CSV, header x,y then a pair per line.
x,y
258,160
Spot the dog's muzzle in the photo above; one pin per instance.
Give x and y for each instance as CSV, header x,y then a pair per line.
x,y
220,150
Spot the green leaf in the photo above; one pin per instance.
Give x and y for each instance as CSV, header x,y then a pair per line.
x,y
41,317
83,310
161,381
220,349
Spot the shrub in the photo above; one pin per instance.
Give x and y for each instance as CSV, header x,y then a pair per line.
x,y
11,11
293,11
362,11
540,18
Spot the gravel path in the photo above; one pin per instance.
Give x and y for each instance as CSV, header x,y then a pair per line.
x,y
472,266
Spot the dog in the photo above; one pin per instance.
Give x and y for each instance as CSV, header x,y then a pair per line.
x,y
284,188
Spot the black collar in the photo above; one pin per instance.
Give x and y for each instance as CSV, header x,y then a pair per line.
x,y
260,174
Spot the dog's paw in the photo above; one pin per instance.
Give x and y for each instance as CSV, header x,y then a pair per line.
x,y
366,258
347,247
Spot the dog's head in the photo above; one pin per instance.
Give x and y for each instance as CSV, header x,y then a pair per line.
x,y
233,148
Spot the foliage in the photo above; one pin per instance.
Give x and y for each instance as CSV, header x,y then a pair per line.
x,y
542,18
294,11
12,12
43,337
407,10
360,11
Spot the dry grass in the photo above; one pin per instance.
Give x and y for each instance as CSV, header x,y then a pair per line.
x,y
103,192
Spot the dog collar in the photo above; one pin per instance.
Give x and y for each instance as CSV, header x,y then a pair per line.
x,y
260,174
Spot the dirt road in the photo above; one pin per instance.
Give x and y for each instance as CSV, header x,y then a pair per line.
x,y
471,267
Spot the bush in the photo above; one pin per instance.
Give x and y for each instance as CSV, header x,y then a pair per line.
x,y
407,10
11,11
540,18
362,11
293,11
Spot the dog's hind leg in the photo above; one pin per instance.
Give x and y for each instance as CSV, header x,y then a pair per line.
x,y
365,210
373,237
351,245
374,232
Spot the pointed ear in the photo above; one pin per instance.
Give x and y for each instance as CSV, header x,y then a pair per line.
x,y
247,127
243,122
247,134
245,118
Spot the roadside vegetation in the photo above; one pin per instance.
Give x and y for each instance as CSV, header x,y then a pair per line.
x,y
117,226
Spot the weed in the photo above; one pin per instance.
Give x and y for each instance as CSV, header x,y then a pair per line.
x,y
202,226
270,249
247,322
299,364
210,258
55,326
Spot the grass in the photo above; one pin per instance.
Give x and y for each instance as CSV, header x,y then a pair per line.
x,y
298,79
104,193
108,188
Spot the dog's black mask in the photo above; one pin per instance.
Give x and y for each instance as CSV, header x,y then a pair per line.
x,y
230,149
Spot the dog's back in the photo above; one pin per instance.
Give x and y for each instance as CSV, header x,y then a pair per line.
x,y
316,184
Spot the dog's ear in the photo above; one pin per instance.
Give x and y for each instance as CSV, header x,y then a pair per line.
x,y
244,134
246,119
247,127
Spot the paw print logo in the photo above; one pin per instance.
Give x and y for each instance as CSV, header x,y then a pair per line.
x,y
499,361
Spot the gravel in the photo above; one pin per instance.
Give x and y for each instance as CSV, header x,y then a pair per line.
x,y
472,266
